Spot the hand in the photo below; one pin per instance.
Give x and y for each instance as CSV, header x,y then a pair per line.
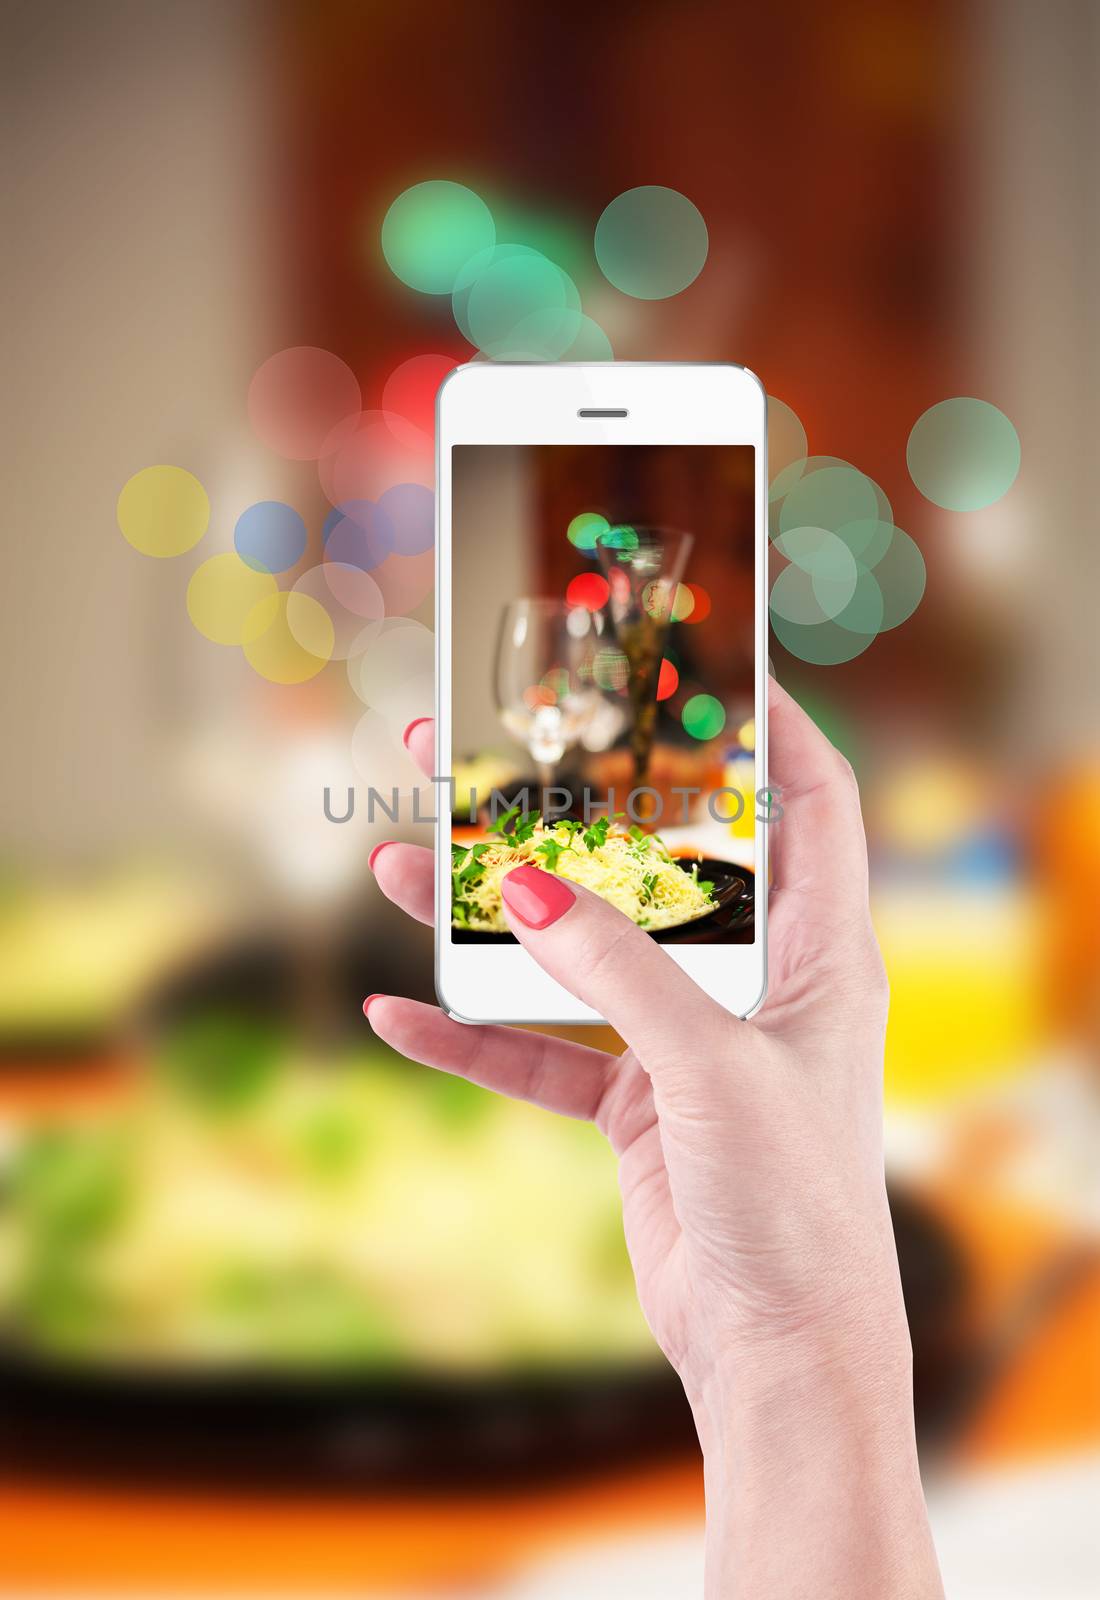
x,y
751,1168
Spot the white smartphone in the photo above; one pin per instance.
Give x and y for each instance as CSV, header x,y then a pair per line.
x,y
602,665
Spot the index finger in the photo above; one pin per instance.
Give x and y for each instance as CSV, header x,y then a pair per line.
x,y
419,741
818,843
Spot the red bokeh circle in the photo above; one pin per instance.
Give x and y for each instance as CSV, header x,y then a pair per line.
x,y
298,397
411,388
589,590
668,680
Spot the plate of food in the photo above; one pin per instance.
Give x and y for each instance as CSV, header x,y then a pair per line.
x,y
688,898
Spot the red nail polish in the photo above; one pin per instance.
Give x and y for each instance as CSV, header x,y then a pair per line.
x,y
537,898
373,857
408,733
366,1004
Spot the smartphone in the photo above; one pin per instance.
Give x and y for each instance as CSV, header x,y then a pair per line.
x,y
602,667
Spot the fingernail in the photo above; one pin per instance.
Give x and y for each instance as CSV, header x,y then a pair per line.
x,y
373,857
537,898
408,733
366,1004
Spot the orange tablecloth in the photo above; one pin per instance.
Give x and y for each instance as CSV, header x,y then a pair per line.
x,y
65,1536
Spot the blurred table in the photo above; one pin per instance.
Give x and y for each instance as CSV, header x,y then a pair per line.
x,y
82,1537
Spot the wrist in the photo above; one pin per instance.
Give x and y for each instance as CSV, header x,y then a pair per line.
x,y
833,1316
856,1349
812,1483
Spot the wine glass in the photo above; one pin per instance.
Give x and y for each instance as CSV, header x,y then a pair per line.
x,y
546,677
643,567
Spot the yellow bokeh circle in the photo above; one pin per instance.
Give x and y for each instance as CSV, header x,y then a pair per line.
x,y
163,511
288,637
222,593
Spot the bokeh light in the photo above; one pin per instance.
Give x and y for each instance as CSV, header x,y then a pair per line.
x,y
620,538
380,758
410,511
557,681
411,389
358,533
902,577
668,680
163,511
270,536
823,558
785,479
610,669
323,584
221,595
405,581
683,603
829,497
395,674
514,303
787,442
867,540
352,589
865,611
431,230
963,454
658,597
298,397
618,583
651,242
372,453
588,590
823,644
700,603
288,638
590,344
584,531
843,588
793,598
703,716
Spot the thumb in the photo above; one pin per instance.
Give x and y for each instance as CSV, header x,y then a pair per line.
x,y
612,965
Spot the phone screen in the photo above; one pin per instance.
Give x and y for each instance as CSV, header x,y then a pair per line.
x,y
603,643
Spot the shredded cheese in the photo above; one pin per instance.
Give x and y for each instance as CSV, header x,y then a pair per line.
x,y
634,872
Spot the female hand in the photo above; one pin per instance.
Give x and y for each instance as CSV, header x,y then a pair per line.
x,y
751,1168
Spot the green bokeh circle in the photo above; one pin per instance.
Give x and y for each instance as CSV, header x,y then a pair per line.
x,y
703,716
902,577
963,454
515,304
823,644
832,497
793,598
786,441
591,343
828,564
651,242
431,230
867,539
585,529
865,610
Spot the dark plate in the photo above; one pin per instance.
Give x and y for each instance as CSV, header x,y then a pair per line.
x,y
286,1431
730,922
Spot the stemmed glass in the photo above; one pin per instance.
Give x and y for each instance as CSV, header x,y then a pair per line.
x,y
643,567
545,677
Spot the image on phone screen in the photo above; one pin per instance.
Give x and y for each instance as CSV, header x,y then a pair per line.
x,y
602,682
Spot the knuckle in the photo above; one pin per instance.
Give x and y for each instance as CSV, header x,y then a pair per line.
x,y
599,951
845,773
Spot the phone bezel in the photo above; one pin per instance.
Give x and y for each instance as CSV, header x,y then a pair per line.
x,y
536,403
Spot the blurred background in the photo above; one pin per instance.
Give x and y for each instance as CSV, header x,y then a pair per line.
x,y
281,1310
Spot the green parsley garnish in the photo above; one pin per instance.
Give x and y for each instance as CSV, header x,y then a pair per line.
x,y
523,824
